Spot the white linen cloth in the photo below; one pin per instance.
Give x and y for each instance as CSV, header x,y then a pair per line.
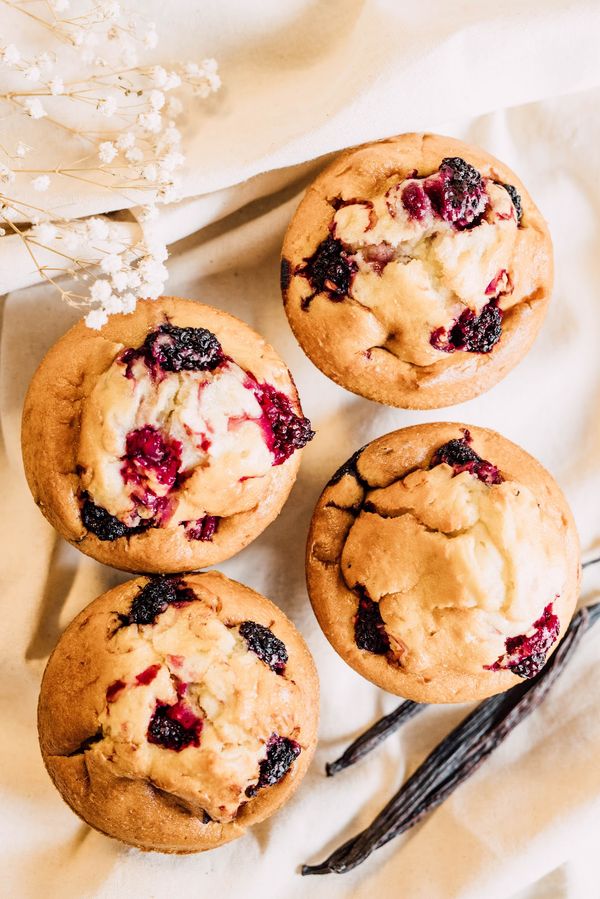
x,y
303,79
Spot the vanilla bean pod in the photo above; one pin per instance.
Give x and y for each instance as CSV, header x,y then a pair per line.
x,y
375,735
457,756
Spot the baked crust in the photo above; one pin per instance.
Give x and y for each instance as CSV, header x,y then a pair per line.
x,y
51,436
388,460
74,690
349,343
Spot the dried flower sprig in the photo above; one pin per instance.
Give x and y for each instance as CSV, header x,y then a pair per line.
x,y
123,115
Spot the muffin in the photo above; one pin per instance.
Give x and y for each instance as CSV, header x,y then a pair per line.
x,y
176,711
164,442
443,563
416,271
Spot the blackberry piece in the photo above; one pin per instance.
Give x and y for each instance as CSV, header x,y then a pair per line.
x,y
471,333
529,666
262,641
461,456
171,348
154,599
329,270
516,200
174,727
281,754
457,193
285,274
369,629
286,430
104,525
202,529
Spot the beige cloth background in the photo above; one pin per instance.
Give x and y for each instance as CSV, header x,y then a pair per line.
x,y
302,79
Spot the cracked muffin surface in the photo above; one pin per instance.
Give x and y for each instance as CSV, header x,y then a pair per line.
x,y
443,563
191,701
416,271
172,438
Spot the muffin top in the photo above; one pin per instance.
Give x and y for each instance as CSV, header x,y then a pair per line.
x,y
455,563
412,256
179,428
196,691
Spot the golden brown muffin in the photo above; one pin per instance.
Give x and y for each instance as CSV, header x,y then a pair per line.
x,y
443,563
416,271
166,441
175,712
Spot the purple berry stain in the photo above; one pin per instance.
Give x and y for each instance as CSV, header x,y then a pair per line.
x,y
526,656
174,727
329,270
471,333
202,529
285,431
148,452
369,628
281,754
415,201
262,641
460,456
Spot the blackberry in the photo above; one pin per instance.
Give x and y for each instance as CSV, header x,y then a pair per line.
x,y
154,599
174,727
281,754
286,431
171,348
529,666
461,456
104,525
516,200
262,641
471,333
369,629
457,193
329,270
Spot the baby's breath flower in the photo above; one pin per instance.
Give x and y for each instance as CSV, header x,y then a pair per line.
x,y
7,176
10,55
158,76
107,106
119,280
151,37
96,319
107,151
111,263
128,302
34,107
134,155
150,172
172,81
109,10
57,86
45,232
100,290
41,183
32,73
97,229
60,5
22,149
174,106
126,140
157,99
150,121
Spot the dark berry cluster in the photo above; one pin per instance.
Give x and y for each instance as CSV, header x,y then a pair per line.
x,y
526,656
104,525
369,629
269,648
171,348
281,754
174,727
457,193
470,332
286,431
461,456
516,200
329,270
155,597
